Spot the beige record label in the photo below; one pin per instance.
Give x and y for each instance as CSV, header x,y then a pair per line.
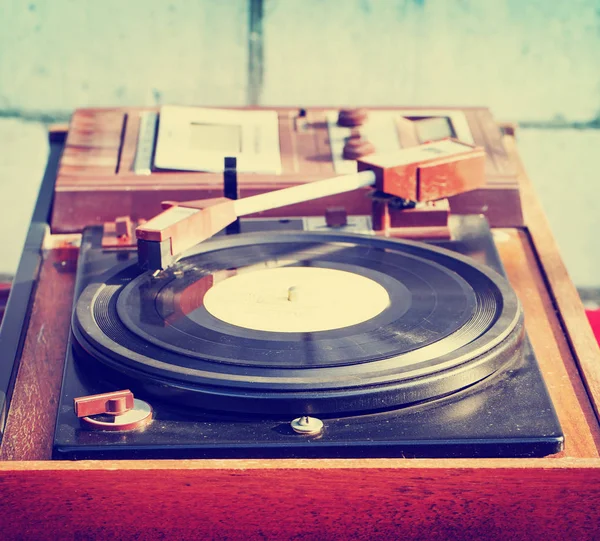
x,y
296,299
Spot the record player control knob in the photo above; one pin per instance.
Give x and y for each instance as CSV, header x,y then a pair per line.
x,y
115,403
128,412
350,118
309,426
357,146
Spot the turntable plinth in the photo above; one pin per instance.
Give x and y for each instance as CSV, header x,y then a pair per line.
x,y
553,497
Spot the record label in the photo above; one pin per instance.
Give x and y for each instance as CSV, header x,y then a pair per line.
x,y
296,299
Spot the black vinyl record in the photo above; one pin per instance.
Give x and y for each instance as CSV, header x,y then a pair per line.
x,y
449,324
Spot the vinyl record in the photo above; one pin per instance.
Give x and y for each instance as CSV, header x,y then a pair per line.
x,y
290,323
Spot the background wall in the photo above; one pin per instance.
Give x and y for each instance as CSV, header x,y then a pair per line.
x,y
532,61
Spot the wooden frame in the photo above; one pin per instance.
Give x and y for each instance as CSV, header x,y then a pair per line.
x,y
556,496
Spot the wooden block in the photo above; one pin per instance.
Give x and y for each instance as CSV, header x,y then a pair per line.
x,y
428,172
443,178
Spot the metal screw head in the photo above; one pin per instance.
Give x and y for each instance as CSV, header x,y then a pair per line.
x,y
309,426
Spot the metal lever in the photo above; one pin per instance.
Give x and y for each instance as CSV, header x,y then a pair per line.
x,y
125,412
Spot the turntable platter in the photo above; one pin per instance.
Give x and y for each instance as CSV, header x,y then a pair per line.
x,y
378,324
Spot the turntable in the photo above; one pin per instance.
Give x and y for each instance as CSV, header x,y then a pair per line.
x,y
366,339
392,348
236,367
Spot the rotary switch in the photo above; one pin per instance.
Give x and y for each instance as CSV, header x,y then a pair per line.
x,y
350,118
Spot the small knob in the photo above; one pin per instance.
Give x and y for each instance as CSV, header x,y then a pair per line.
x,y
336,216
115,403
125,412
350,118
356,147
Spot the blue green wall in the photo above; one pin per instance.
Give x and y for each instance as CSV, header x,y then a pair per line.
x,y
529,60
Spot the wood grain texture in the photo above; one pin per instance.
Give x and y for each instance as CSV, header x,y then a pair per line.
x,y
92,158
582,434
347,501
567,301
32,414
90,130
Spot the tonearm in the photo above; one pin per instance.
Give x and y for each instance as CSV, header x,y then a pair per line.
x,y
425,173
